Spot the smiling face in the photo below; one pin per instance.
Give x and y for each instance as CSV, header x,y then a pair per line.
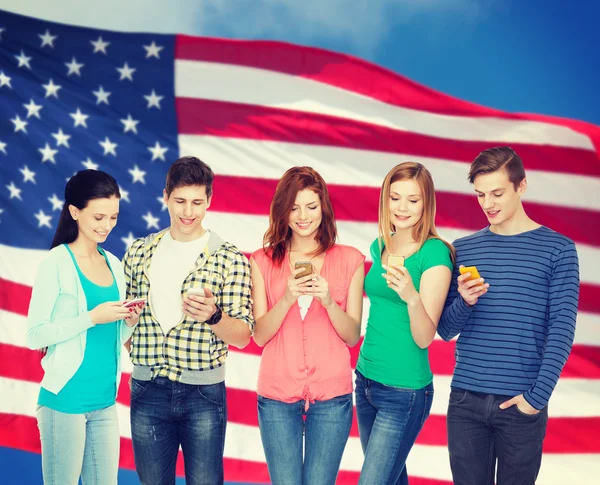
x,y
306,215
97,219
405,204
498,197
187,207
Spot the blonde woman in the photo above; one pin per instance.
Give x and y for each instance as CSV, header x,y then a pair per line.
x,y
394,383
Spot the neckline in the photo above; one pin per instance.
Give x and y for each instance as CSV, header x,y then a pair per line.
x,y
323,266
524,233
81,273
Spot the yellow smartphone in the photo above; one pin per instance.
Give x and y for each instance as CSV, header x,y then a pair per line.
x,y
308,268
395,260
472,270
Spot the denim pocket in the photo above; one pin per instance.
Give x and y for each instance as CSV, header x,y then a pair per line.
x,y
458,396
529,416
138,388
213,393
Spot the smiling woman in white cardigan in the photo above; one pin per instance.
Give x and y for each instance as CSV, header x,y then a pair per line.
x,y
78,318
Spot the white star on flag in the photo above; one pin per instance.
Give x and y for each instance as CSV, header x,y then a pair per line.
x,y
57,204
101,95
128,241
151,221
100,45
43,219
74,67
129,124
158,152
3,147
61,138
79,118
20,125
126,72
33,109
162,202
48,153
137,174
109,147
15,192
153,99
89,164
153,50
24,60
47,39
4,80
28,175
124,194
51,89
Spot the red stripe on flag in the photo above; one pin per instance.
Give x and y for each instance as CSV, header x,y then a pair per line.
x,y
238,120
14,297
352,203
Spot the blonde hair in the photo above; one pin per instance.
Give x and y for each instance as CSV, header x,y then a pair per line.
x,y
424,229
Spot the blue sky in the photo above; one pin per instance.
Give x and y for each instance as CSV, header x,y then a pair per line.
x,y
538,56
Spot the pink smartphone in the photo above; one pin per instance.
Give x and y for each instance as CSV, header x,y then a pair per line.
x,y
135,301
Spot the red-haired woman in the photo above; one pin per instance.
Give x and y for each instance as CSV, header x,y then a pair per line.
x,y
305,325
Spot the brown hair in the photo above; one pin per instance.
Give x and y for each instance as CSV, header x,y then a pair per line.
x,y
278,235
187,171
425,228
499,158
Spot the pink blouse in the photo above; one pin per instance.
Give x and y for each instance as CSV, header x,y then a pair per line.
x,y
307,360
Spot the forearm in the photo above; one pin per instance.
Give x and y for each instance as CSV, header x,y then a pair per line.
x,y
347,328
232,331
269,324
454,318
45,333
422,326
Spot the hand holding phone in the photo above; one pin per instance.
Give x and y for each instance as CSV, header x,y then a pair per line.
x,y
395,260
472,287
308,268
134,302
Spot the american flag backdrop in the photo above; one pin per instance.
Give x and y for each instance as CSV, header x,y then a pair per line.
x,y
74,98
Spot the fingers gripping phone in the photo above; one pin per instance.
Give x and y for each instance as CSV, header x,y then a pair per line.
x,y
395,260
135,301
470,269
308,268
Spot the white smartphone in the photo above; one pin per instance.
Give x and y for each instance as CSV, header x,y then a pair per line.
x,y
133,302
196,291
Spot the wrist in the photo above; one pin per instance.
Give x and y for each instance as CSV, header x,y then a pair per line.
x,y
330,305
215,317
413,301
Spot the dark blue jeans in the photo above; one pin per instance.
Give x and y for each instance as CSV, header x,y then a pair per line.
x,y
166,414
325,430
389,421
481,434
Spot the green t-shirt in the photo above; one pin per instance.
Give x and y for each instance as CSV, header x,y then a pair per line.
x,y
389,354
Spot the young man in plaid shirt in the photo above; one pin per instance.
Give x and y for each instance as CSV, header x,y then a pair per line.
x,y
198,292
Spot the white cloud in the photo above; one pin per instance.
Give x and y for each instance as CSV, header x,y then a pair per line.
x,y
361,24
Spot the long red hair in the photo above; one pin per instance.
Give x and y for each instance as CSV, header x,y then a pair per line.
x,y
277,238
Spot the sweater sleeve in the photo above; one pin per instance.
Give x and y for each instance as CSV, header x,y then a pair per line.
x,y
563,297
53,315
456,312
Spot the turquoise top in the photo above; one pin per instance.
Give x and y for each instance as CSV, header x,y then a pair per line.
x,y
94,385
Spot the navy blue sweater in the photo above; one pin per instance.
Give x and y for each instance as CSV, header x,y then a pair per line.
x,y
517,337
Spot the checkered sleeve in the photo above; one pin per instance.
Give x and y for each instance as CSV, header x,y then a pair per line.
x,y
236,297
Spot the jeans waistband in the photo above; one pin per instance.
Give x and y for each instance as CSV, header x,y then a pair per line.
x,y
194,377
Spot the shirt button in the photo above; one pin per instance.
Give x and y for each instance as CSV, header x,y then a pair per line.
x,y
305,354
304,338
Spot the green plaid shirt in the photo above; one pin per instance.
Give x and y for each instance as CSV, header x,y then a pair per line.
x,y
191,345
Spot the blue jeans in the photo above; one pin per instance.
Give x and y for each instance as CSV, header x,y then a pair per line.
x,y
389,421
325,430
165,415
79,444
480,433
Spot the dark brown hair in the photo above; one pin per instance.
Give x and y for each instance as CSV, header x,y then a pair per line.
x,y
278,235
187,171
499,158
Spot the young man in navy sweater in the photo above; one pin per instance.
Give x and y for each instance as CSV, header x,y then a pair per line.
x,y
516,324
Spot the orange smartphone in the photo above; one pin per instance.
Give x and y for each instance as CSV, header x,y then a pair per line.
x,y
395,260
308,268
472,270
